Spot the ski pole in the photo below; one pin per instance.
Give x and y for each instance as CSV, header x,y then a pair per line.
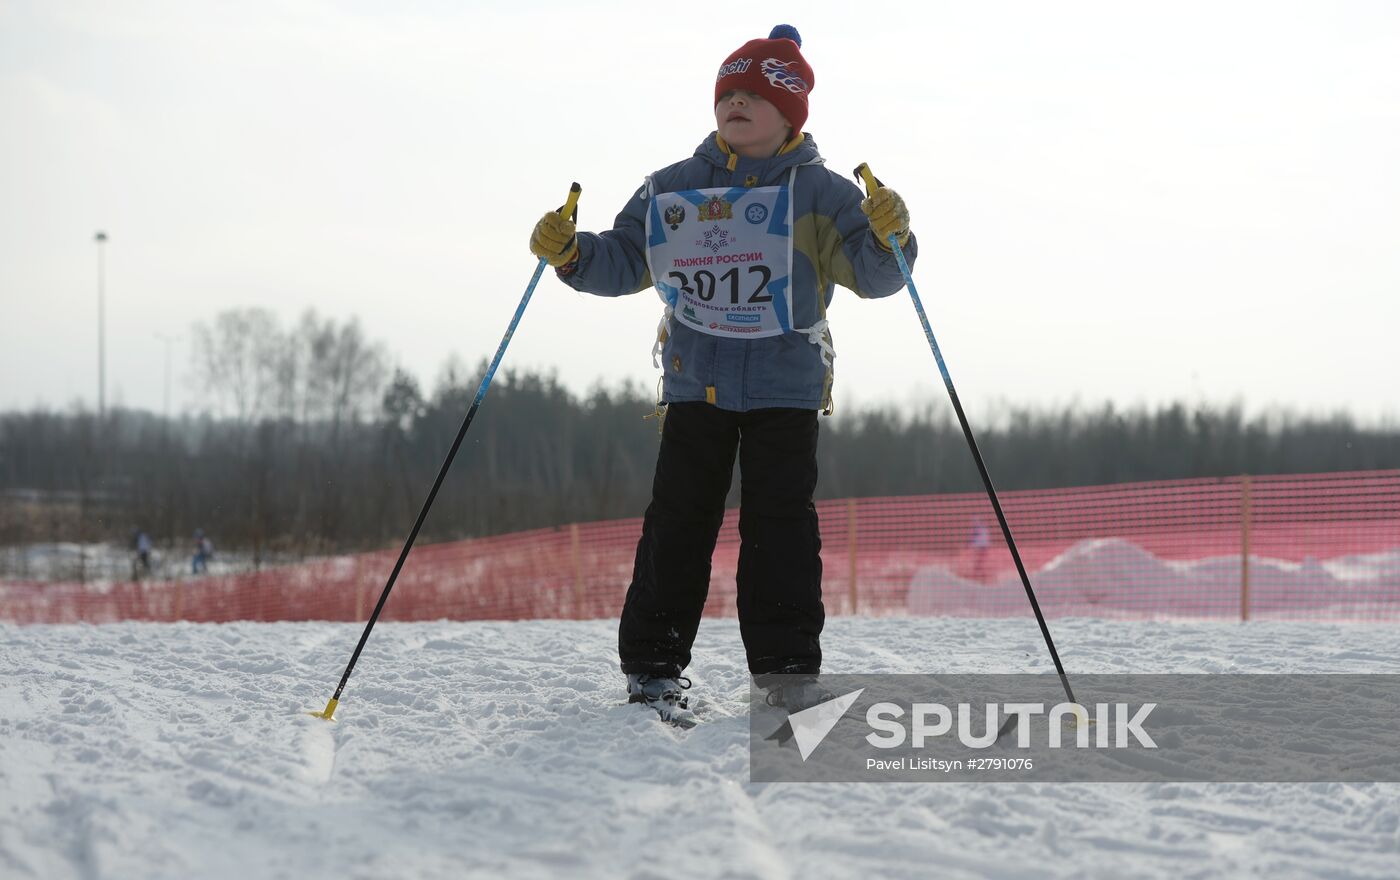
x,y
864,174
329,713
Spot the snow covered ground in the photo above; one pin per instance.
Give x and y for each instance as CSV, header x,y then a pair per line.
x,y
505,750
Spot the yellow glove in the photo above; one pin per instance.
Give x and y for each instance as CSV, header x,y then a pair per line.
x,y
887,214
555,240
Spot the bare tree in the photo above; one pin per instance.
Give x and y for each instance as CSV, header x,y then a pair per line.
x,y
234,360
343,373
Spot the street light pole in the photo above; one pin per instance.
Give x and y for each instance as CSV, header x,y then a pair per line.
x,y
101,239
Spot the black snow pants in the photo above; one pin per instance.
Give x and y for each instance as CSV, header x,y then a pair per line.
x,y
780,568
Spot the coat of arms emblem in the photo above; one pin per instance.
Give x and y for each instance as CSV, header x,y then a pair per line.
x,y
675,216
715,209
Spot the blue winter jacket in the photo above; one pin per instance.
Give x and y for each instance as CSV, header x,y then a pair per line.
x,y
832,244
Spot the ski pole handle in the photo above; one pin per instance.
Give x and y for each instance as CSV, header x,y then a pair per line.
x,y
571,203
864,173
555,241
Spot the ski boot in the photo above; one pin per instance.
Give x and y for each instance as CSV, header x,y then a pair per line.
x,y
665,694
796,692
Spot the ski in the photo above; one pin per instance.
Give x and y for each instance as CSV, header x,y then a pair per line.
x,y
670,713
684,719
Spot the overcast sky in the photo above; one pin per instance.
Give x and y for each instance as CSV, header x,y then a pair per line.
x,y
1114,201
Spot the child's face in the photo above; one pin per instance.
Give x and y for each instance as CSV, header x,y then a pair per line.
x,y
750,124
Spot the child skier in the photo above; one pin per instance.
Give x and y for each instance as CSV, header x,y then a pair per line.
x,y
203,552
744,242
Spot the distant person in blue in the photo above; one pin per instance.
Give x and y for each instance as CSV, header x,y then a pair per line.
x,y
142,542
744,242
203,552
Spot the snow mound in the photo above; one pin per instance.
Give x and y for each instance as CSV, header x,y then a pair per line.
x,y
1113,577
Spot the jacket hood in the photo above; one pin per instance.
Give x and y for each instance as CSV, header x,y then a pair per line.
x,y
804,153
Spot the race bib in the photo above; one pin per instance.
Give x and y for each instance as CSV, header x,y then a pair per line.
x,y
722,258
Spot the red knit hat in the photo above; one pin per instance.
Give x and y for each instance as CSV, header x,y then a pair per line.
x,y
773,68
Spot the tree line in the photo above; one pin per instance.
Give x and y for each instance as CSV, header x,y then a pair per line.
x,y
309,442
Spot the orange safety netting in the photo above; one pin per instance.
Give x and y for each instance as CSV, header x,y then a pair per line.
x,y
1323,546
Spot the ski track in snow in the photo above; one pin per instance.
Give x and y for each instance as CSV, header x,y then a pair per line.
x,y
506,750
